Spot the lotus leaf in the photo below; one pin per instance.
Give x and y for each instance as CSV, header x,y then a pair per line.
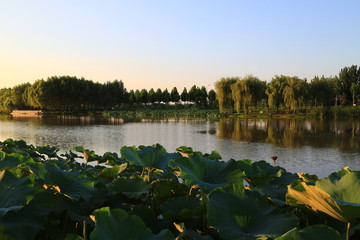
x,y
167,188
89,155
314,232
214,155
207,174
118,224
132,188
242,214
14,192
181,209
185,151
260,172
72,184
148,156
71,236
189,234
51,152
29,219
112,173
276,188
8,161
112,158
337,195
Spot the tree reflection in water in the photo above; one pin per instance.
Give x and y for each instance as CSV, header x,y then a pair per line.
x,y
343,135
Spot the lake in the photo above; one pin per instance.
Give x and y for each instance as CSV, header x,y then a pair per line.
x,y
311,146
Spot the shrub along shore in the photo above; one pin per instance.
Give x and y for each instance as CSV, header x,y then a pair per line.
x,y
148,193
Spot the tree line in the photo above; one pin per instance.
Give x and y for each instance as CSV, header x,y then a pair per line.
x,y
67,93
239,94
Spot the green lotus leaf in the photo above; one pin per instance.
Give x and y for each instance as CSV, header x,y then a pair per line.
x,y
337,195
148,156
2,155
277,188
189,234
72,236
30,219
167,188
89,155
241,214
118,224
112,173
185,151
207,174
214,155
72,184
8,161
314,232
51,152
15,193
112,158
260,172
311,179
132,188
181,208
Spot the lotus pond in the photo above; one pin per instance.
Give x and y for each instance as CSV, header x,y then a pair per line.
x,y
146,192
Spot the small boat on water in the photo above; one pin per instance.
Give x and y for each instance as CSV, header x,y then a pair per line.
x,y
27,113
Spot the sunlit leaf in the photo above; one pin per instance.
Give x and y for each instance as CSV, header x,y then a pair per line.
x,y
337,195
112,173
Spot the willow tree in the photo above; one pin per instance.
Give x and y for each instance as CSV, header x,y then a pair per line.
x,y
5,100
321,91
355,91
241,95
294,93
224,94
257,89
274,91
17,99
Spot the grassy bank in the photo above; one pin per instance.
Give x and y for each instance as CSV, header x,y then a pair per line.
x,y
164,111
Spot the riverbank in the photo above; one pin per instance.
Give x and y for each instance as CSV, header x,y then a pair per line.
x,y
181,111
339,112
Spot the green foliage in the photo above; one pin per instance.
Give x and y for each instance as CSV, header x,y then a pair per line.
x,y
148,193
118,224
314,232
207,174
242,214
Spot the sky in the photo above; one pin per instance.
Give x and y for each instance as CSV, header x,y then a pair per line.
x,y
176,43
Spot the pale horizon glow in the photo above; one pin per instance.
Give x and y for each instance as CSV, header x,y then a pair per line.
x,y
165,44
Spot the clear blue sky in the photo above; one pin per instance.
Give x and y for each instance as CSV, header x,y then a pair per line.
x,y
167,43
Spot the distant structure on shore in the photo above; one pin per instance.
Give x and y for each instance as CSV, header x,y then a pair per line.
x,y
27,113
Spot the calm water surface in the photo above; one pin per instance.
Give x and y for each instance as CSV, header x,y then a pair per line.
x,y
312,146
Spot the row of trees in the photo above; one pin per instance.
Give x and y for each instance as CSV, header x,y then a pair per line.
x,y
238,94
71,93
197,95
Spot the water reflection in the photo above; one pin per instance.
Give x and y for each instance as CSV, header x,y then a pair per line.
x,y
343,135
